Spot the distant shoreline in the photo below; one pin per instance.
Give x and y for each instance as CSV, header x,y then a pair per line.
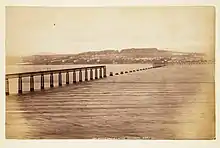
x,y
186,63
79,64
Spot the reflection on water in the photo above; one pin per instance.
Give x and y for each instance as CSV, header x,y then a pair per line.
x,y
174,102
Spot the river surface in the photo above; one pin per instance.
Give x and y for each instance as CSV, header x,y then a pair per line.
x,y
172,102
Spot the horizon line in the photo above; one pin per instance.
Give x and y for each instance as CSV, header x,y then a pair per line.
x,y
48,53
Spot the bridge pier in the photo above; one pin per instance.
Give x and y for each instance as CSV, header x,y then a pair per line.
x,y
60,78
51,80
19,85
6,87
111,74
96,73
67,78
100,73
74,76
42,82
31,83
91,74
86,74
80,75
105,72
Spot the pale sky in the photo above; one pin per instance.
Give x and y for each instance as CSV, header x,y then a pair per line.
x,y
31,30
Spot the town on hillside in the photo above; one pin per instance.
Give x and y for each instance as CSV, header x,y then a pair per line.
x,y
124,56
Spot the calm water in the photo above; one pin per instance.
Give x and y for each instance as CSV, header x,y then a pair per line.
x,y
173,102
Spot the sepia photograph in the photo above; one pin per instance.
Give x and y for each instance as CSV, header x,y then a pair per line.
x,y
128,72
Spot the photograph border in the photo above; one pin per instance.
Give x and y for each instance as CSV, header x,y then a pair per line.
x,y
107,143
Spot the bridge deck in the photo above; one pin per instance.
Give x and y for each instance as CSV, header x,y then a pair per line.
x,y
174,102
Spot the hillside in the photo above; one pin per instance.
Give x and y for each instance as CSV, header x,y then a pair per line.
x,y
125,56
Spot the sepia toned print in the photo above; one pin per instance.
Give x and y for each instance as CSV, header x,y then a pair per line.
x,y
110,73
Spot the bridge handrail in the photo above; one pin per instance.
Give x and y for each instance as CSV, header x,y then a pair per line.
x,y
45,72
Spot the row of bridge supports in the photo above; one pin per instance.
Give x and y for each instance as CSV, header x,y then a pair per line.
x,y
74,75
130,71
